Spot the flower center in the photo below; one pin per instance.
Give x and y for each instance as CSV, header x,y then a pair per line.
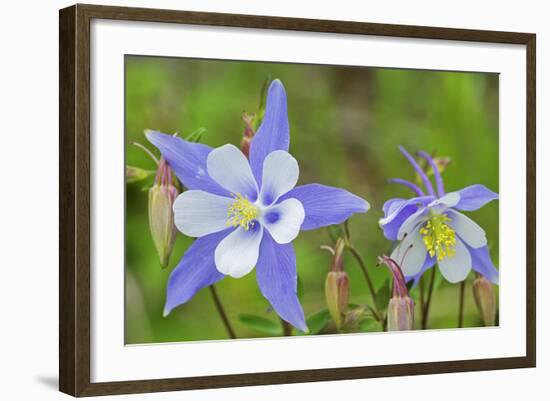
x,y
241,212
439,237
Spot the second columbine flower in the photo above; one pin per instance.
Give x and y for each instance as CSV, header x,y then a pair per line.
x,y
431,229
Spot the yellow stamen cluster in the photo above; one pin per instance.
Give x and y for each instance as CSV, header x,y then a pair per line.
x,y
439,237
241,213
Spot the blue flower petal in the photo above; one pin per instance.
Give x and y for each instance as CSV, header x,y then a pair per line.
x,y
277,279
474,197
391,205
326,205
482,263
396,212
273,133
188,160
196,270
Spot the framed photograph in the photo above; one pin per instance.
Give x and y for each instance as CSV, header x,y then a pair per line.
x,y
250,200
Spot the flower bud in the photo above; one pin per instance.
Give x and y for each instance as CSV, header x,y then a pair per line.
x,y
337,286
247,134
400,314
161,217
485,300
135,174
401,305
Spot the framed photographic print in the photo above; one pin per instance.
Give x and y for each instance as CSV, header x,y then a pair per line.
x,y
297,200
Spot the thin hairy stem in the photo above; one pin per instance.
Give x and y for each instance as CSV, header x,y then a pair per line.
x,y
363,267
287,328
221,312
149,153
461,304
426,313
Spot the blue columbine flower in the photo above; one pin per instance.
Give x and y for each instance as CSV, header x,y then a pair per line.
x,y
431,229
245,213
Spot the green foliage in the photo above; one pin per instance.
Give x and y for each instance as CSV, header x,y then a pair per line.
x,y
369,325
261,324
196,135
383,295
318,321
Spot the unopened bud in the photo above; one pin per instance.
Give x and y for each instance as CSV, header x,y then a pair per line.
x,y
248,134
135,174
401,305
485,300
337,286
161,217
400,314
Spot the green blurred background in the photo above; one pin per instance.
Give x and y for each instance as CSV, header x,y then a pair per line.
x,y
345,125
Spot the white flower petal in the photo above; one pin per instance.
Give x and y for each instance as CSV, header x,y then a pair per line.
x,y
237,254
283,221
198,213
445,202
280,175
410,254
456,267
411,222
230,168
467,229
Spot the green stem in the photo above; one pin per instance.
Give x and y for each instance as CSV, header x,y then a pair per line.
x,y
287,329
426,311
461,304
221,312
363,267
147,151
422,297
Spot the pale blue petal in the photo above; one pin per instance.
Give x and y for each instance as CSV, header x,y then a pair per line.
x,y
284,220
229,167
280,175
237,254
455,268
410,254
428,264
470,232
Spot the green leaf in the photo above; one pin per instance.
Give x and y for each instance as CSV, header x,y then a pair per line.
x,y
335,231
261,324
317,321
383,295
135,174
300,289
196,135
354,315
369,326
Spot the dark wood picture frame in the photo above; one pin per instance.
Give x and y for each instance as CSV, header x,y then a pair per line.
x,y
74,199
